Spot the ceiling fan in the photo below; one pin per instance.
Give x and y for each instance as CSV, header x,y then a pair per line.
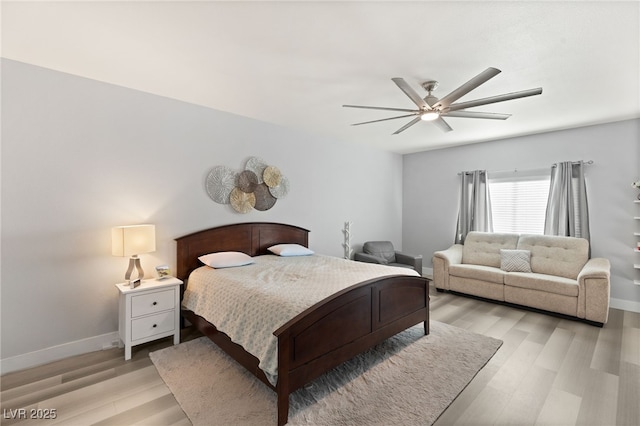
x,y
433,109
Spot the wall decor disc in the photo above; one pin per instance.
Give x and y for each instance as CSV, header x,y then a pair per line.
x,y
219,183
281,190
247,181
242,202
264,199
272,176
257,166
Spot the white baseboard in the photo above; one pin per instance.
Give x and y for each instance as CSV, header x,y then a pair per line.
x,y
55,353
625,305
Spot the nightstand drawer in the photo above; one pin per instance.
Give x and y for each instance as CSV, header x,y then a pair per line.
x,y
152,325
149,303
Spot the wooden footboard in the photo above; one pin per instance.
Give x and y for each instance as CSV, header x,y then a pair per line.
x,y
345,325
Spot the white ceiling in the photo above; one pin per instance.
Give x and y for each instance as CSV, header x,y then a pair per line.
x,y
296,63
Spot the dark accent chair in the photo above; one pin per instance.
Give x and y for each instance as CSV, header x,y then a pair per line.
x,y
382,252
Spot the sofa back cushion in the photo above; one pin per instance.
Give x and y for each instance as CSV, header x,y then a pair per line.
x,y
554,255
483,248
381,249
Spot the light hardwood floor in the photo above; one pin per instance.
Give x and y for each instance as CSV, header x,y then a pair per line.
x,y
549,371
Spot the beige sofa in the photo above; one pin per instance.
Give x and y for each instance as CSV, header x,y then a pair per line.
x,y
562,278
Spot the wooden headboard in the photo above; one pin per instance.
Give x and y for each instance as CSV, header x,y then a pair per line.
x,y
252,238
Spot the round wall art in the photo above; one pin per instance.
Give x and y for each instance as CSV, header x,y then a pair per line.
x,y
272,176
220,182
241,201
247,181
257,187
264,199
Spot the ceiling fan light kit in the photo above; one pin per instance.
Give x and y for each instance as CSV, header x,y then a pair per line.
x,y
433,109
430,116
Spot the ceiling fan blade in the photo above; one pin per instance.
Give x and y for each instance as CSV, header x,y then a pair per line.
x,y
442,124
406,126
384,119
494,99
476,81
412,94
381,108
474,114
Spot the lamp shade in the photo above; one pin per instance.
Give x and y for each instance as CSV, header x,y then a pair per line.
x,y
134,239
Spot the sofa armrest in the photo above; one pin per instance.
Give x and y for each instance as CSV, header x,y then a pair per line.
x,y
452,255
365,257
594,284
408,259
441,262
596,267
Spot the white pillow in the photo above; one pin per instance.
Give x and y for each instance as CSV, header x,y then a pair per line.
x,y
226,259
290,250
515,260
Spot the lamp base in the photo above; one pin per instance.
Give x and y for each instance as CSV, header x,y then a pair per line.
x,y
134,261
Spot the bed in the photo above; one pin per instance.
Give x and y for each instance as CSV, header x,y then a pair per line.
x,y
315,340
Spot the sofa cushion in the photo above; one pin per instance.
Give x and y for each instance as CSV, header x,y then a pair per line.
x,y
483,248
515,260
554,255
478,272
477,288
542,282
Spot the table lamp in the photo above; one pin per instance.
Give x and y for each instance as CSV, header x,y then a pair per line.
x,y
131,241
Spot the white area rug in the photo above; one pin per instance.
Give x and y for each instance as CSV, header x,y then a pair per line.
x,y
409,379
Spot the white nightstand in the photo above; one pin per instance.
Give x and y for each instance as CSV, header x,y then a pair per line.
x,y
149,312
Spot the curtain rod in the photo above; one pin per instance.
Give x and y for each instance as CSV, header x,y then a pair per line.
x,y
588,162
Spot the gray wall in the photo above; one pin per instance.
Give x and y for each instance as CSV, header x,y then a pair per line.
x,y
80,156
431,191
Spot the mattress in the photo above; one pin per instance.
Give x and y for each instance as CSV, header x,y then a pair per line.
x,y
249,303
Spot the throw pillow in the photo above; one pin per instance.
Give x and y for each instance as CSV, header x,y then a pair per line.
x,y
515,260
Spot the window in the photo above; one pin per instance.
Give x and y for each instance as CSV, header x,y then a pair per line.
x,y
519,201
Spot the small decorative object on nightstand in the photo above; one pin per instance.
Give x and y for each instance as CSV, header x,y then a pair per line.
x,y
149,312
163,271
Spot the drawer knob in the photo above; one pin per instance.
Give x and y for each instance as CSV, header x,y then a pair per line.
x,y
154,303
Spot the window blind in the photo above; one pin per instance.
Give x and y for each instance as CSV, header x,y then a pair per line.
x,y
519,202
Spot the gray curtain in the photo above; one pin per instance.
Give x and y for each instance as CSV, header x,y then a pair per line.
x,y
567,210
474,212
